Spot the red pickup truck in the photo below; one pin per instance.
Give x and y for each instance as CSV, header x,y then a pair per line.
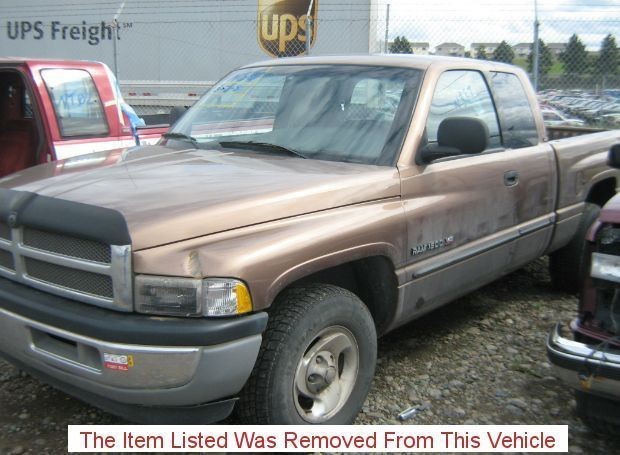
x,y
57,109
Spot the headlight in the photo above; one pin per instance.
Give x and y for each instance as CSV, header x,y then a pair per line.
x,y
605,267
191,297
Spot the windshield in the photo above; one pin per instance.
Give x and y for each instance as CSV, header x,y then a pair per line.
x,y
330,112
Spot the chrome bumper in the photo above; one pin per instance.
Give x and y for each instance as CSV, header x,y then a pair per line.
x,y
129,373
583,367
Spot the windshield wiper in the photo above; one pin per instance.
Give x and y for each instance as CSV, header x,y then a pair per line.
x,y
251,145
181,136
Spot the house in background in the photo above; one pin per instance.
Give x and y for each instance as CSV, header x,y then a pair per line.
x,y
489,48
557,48
522,50
420,48
450,49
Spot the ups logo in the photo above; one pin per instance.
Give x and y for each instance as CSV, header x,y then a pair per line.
x,y
282,26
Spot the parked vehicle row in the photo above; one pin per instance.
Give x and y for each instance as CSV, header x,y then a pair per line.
x,y
554,117
601,109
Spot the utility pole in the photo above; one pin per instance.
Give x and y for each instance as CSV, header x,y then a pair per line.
x,y
535,47
309,27
387,26
115,37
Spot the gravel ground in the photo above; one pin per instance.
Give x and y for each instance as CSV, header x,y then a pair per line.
x,y
479,360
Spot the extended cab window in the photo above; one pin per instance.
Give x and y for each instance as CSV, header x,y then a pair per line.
x,y
518,125
76,102
462,94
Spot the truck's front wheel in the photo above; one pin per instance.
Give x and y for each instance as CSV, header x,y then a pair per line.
x,y
316,362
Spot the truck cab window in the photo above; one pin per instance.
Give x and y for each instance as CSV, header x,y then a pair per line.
x,y
76,102
462,94
517,119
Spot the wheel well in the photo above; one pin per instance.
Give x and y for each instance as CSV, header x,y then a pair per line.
x,y
372,279
602,191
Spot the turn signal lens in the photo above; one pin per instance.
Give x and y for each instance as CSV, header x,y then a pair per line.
x,y
191,297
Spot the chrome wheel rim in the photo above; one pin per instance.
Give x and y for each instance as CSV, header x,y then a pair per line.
x,y
326,374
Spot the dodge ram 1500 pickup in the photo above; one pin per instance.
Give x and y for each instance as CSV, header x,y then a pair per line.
x,y
301,208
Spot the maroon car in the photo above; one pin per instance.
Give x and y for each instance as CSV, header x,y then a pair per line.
x,y
591,361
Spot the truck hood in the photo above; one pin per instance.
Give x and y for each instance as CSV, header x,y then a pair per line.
x,y
168,195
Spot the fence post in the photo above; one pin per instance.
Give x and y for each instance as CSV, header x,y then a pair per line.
x,y
387,26
535,47
309,28
115,37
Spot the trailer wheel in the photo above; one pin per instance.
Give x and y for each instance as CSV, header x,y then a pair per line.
x,y
317,360
566,265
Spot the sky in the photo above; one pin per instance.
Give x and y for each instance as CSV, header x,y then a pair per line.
x,y
467,21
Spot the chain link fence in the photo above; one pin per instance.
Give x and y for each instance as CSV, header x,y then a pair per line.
x,y
169,52
574,66
569,49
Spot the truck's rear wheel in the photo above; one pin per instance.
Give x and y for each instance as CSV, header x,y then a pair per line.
x,y
316,362
566,265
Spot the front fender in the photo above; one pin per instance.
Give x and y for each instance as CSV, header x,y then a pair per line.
x,y
270,256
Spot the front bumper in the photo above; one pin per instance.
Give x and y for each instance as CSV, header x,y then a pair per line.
x,y
132,365
584,367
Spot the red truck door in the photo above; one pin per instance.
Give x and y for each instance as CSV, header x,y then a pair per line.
x,y
22,134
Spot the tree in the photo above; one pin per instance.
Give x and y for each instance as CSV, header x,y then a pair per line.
x,y
607,61
401,45
545,58
504,53
575,57
481,54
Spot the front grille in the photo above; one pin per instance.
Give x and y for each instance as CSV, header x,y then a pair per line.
x,y
79,269
79,280
5,231
6,260
68,246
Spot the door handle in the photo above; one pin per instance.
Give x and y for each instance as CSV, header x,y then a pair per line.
x,y
511,178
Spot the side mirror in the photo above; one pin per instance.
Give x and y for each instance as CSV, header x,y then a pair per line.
x,y
613,158
176,113
456,136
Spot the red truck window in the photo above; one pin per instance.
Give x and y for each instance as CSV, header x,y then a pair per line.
x,y
76,102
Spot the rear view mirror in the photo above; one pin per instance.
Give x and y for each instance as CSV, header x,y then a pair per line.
x,y
456,136
613,159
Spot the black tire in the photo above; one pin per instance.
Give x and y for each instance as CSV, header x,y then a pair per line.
x,y
300,316
602,415
566,265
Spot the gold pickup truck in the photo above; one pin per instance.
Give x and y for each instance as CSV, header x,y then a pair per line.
x,y
300,209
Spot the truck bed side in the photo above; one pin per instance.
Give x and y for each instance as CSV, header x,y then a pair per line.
x,y
581,165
